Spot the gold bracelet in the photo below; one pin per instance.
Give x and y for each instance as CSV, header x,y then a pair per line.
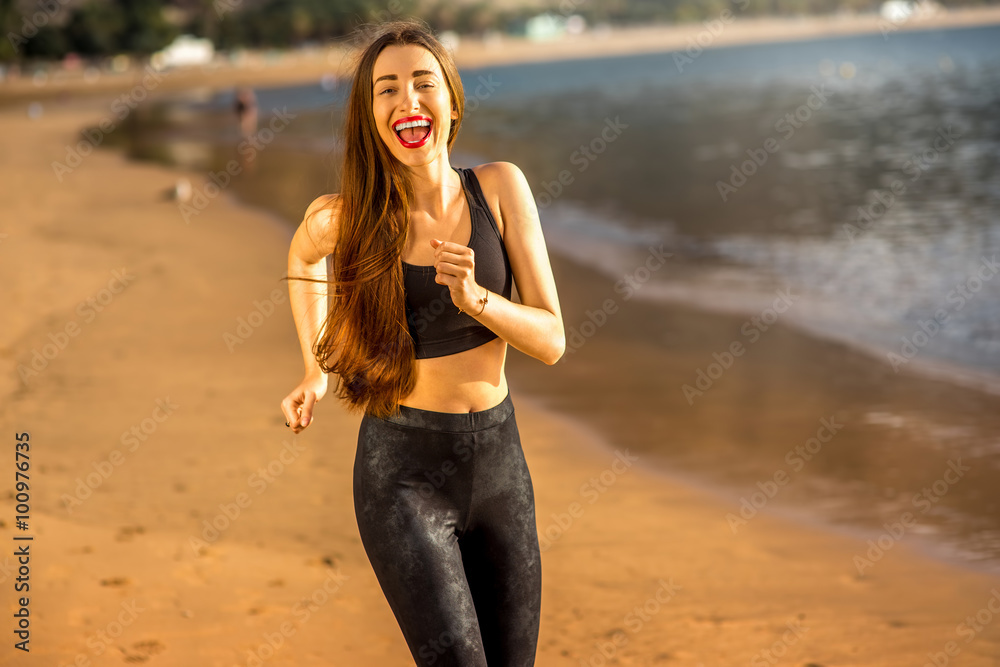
x,y
482,301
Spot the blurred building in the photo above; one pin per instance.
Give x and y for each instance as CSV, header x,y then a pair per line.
x,y
185,50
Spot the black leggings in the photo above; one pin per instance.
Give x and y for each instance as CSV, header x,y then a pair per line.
x,y
446,512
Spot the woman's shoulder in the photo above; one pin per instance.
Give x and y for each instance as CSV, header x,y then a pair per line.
x,y
505,187
318,231
502,179
323,213
328,203
497,171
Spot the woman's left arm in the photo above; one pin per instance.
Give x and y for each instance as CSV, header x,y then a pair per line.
x,y
535,325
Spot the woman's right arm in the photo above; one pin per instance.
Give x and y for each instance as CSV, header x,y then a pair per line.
x,y
313,241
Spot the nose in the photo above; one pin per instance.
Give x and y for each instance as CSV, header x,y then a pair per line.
x,y
410,101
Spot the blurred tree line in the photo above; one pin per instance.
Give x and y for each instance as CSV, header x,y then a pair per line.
x,y
47,29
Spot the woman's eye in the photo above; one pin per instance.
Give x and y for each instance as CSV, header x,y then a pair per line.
x,y
423,85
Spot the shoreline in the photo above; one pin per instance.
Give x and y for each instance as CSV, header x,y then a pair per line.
x,y
922,364
270,68
130,539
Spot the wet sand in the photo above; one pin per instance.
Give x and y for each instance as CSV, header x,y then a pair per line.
x,y
153,414
848,439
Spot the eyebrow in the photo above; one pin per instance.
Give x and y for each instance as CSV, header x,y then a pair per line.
x,y
416,73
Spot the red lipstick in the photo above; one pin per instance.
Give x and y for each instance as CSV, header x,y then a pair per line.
x,y
410,119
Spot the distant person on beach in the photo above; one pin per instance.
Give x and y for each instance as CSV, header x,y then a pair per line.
x,y
442,492
245,106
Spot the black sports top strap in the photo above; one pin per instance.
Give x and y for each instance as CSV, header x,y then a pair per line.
x,y
471,183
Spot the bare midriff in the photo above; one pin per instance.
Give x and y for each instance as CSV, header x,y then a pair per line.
x,y
468,381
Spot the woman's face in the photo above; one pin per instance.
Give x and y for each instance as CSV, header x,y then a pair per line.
x,y
409,88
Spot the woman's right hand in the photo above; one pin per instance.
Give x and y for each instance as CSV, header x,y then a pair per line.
x,y
298,405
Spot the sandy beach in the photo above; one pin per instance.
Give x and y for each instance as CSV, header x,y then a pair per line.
x,y
176,521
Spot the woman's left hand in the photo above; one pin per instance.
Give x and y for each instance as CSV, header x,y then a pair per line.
x,y
456,268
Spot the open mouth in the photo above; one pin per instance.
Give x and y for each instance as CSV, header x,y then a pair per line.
x,y
413,131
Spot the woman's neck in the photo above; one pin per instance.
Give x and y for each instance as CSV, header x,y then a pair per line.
x,y
435,187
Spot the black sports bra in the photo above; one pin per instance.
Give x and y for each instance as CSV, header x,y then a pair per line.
x,y
435,324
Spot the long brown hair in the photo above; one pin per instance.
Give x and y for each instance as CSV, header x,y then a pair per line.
x,y
365,339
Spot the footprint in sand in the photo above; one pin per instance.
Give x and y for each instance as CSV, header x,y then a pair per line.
x,y
143,650
115,581
126,533
329,560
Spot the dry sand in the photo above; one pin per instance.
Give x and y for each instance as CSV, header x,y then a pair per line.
x,y
129,309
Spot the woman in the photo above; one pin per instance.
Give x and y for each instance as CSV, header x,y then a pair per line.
x,y
416,328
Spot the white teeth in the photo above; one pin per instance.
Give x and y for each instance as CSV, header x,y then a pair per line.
x,y
412,123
